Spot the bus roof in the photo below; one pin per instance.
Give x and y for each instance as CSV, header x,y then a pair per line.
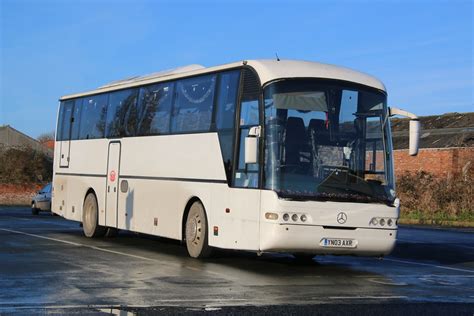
x,y
268,70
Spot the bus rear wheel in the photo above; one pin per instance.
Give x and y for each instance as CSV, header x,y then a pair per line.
x,y
90,218
196,233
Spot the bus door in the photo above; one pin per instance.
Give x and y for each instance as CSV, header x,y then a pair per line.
x,y
113,166
245,198
65,133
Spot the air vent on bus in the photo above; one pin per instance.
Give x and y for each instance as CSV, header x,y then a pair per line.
x,y
251,85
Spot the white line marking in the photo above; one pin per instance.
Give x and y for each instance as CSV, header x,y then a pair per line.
x,y
366,297
52,306
429,265
79,244
387,282
114,311
162,262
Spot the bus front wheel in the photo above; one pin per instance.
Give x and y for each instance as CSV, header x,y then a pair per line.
x,y
196,233
90,218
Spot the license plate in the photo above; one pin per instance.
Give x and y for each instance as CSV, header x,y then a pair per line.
x,y
338,243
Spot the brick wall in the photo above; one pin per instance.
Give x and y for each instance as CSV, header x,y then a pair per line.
x,y
442,162
18,194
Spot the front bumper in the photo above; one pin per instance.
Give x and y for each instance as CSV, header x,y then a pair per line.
x,y
307,239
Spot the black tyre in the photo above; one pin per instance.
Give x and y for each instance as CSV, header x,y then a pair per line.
x,y
196,233
111,232
304,257
90,218
34,209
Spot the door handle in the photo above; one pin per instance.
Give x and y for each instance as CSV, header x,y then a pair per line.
x,y
115,189
108,188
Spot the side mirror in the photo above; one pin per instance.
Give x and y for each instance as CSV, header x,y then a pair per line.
x,y
414,128
414,137
251,145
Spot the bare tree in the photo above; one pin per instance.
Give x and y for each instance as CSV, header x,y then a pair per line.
x,y
43,138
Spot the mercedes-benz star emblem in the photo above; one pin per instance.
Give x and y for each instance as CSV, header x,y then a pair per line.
x,y
341,218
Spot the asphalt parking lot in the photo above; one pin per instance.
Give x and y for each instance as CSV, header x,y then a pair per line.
x,y
47,266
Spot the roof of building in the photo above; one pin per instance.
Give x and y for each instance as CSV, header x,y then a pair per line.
x,y
267,70
11,137
437,131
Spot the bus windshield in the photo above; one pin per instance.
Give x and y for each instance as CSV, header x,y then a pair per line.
x,y
327,140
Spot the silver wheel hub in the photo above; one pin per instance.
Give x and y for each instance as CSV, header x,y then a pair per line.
x,y
191,230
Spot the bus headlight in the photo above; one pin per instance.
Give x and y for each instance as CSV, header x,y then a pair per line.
x,y
272,216
381,221
294,217
303,218
286,217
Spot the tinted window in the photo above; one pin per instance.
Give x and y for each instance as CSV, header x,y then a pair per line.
x,y
60,121
225,116
154,109
247,175
227,98
64,121
76,119
192,110
122,113
93,115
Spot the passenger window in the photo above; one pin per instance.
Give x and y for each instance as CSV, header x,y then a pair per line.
x,y
226,100
247,175
64,129
249,113
154,109
93,116
225,117
59,128
76,119
192,111
122,113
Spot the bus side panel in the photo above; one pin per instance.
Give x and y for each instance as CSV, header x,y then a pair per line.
x,y
156,206
87,170
163,173
58,197
235,213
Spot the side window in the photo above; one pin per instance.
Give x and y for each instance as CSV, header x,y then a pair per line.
x,y
154,109
122,113
225,116
59,127
226,99
64,121
247,175
76,119
192,111
93,115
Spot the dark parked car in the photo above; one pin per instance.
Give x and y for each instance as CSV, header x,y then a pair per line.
x,y
42,200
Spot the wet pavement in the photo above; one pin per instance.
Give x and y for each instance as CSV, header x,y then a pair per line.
x,y
47,266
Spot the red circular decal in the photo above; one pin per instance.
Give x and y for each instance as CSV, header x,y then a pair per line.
x,y
112,176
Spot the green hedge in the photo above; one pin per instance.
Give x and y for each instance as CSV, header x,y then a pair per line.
x,y
24,165
426,197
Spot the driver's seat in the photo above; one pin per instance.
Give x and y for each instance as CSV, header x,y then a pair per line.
x,y
297,150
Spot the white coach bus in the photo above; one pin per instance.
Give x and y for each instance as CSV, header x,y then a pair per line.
x,y
262,155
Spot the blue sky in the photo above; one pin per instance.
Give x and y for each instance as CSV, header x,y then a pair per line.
x,y
421,50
